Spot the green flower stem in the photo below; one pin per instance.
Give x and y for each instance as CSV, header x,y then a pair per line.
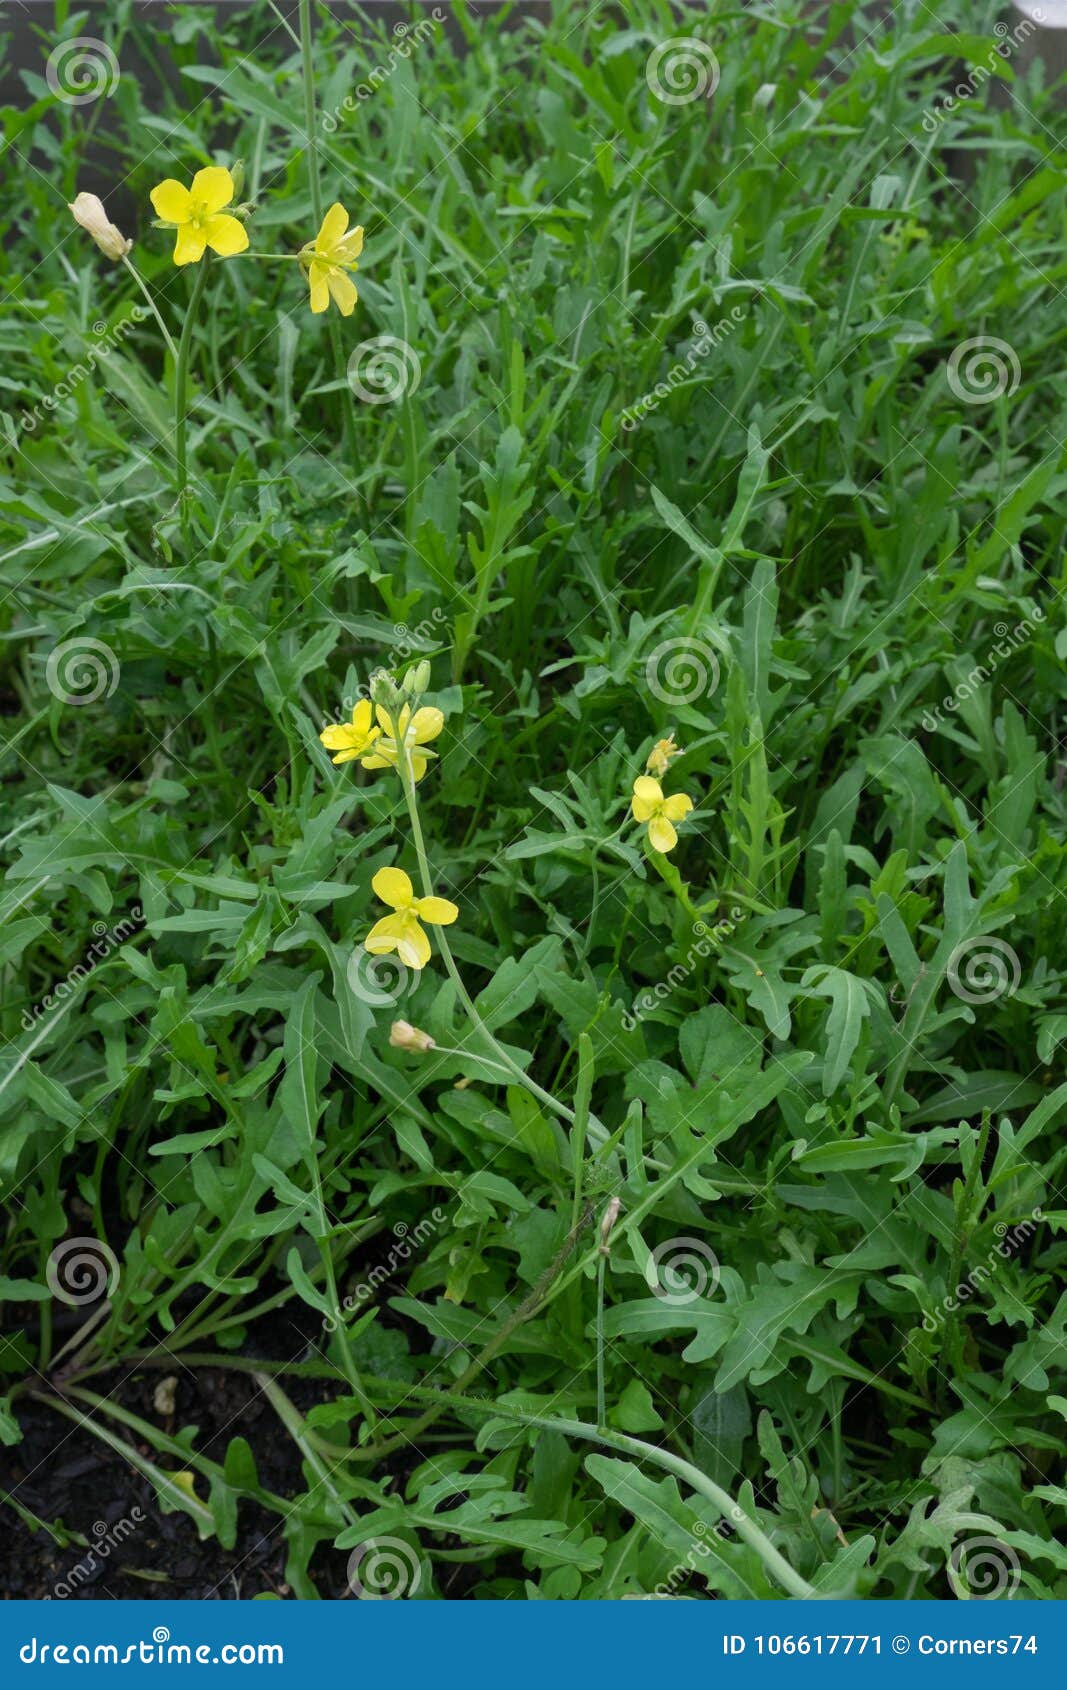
x,y
152,306
181,378
500,1055
307,66
447,1050
601,1395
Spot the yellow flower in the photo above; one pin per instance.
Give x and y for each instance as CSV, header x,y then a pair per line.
x,y
197,215
401,932
649,805
351,739
407,734
660,756
328,257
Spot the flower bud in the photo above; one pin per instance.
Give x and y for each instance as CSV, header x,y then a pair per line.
x,y
417,679
403,1036
384,690
660,755
89,212
610,1216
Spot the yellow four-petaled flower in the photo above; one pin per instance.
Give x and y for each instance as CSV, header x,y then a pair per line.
x,y
401,931
404,740
351,739
328,258
198,215
649,805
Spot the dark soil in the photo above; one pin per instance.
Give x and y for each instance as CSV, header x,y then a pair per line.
x,y
68,1477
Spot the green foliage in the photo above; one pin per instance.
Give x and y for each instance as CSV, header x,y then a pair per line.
x,y
815,1052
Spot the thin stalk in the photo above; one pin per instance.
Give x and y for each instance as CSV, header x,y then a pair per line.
x,y
181,379
601,1394
582,1097
152,306
407,777
330,1276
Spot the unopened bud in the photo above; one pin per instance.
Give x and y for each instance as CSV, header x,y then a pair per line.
x,y
384,690
660,756
417,679
610,1216
237,177
406,1037
88,211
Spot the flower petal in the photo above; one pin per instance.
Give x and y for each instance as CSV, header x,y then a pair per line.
x,y
171,201
333,227
342,292
384,936
377,762
441,912
677,806
189,244
342,736
385,721
661,834
647,798
345,757
348,250
394,888
426,724
320,293
363,716
226,235
212,188
418,766
413,948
